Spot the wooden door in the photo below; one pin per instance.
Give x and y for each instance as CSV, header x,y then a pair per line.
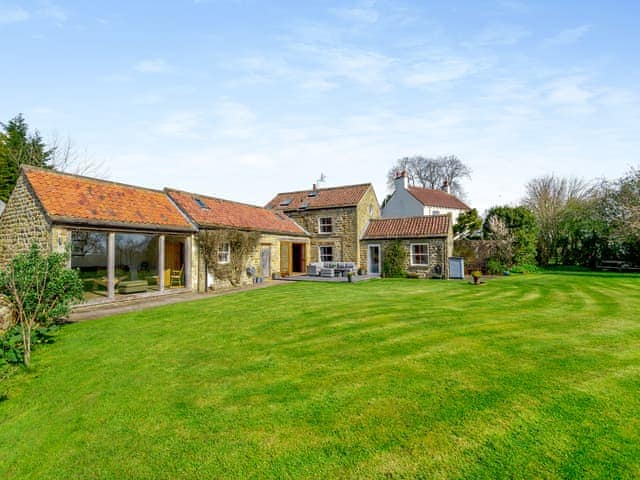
x,y
285,260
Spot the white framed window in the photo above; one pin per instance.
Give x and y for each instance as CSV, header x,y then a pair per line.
x,y
325,225
224,253
435,212
325,253
419,254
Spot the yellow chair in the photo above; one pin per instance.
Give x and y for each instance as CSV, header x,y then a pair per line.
x,y
175,278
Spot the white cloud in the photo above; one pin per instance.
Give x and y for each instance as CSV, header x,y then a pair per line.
x,y
569,90
148,99
365,67
514,5
567,36
53,11
363,15
179,124
153,65
498,35
439,70
234,120
13,15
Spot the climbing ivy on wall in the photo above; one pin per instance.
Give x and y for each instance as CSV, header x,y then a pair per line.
x,y
241,244
395,260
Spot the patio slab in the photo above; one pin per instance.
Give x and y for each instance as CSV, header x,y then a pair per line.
x,y
314,278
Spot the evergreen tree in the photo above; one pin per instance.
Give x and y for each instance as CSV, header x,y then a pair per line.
x,y
19,147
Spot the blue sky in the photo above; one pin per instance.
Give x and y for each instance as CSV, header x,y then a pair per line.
x,y
242,99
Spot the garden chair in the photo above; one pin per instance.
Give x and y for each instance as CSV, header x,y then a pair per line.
x,y
175,278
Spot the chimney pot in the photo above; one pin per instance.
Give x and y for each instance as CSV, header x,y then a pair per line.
x,y
401,181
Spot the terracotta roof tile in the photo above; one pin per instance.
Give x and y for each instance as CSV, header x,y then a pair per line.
x,y
345,196
437,198
408,227
209,212
75,199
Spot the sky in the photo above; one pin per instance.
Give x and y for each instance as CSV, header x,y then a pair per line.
x,y
242,99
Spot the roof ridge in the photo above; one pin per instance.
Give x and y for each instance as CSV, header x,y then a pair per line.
x,y
432,190
412,217
324,189
447,195
86,178
168,189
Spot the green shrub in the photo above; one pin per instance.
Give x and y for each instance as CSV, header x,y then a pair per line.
x,y
11,343
495,267
526,268
395,260
42,289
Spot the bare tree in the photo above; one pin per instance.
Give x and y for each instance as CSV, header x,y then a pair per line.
x,y
66,158
432,173
452,170
547,197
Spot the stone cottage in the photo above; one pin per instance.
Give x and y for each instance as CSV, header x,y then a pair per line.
x,y
126,239
277,237
335,219
427,242
121,238
409,201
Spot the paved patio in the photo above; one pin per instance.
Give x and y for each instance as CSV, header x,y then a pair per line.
x,y
314,278
90,311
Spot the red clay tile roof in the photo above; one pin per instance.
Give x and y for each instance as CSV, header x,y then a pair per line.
x,y
80,200
408,227
215,212
345,196
437,198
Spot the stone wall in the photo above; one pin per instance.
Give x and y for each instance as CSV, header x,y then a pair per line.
x,y
349,224
368,208
21,224
7,315
439,253
271,241
343,239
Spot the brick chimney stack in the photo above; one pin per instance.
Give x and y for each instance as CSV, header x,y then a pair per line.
x,y
401,182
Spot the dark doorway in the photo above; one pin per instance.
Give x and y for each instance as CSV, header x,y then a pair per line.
x,y
297,258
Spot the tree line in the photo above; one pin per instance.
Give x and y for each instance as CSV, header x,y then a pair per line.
x,y
563,221
20,146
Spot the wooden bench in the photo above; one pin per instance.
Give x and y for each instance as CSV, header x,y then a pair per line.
x,y
616,266
133,286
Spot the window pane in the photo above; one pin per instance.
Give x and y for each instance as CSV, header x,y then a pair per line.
x,y
224,253
420,254
136,260
326,254
89,257
326,224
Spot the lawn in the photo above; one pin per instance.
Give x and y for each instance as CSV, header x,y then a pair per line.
x,y
533,376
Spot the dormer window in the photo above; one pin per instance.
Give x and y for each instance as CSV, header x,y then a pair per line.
x,y
304,206
313,194
285,202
